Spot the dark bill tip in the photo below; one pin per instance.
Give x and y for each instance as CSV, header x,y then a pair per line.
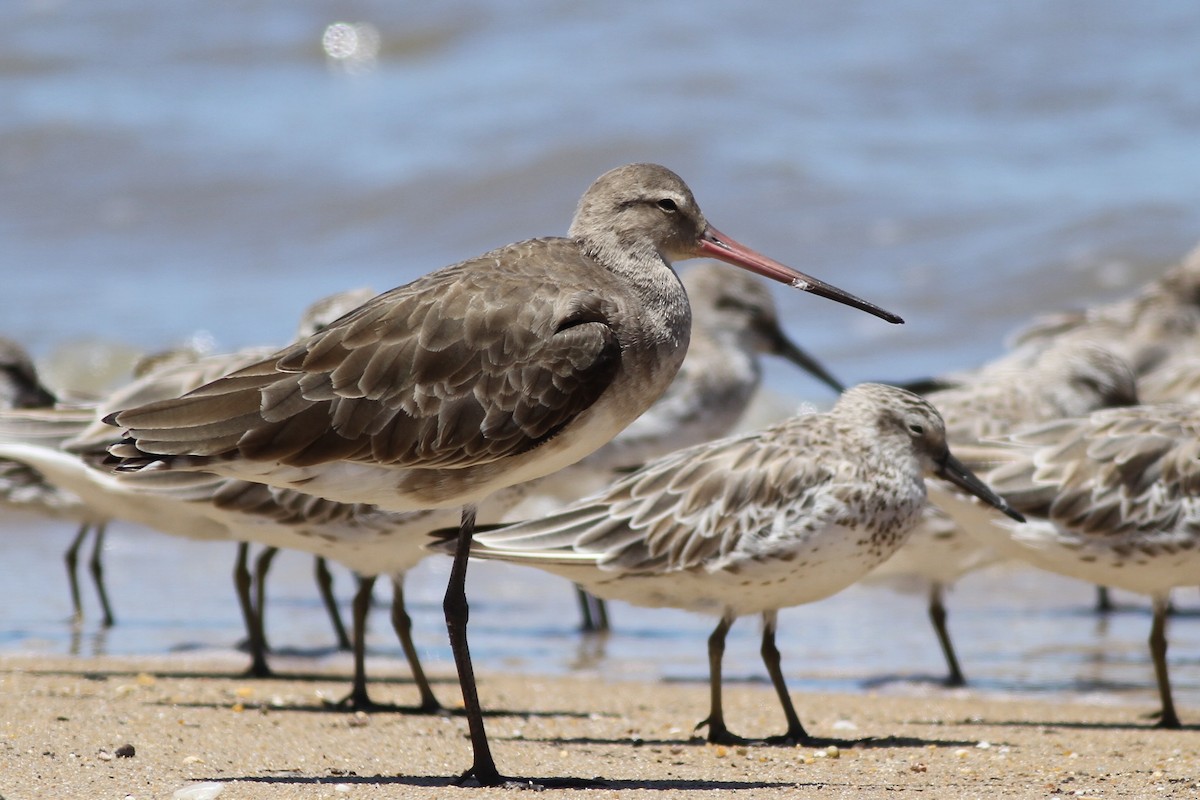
x,y
717,245
955,472
786,348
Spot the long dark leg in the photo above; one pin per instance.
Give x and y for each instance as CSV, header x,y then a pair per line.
x,y
262,566
358,699
770,655
1158,652
483,767
96,565
601,607
242,583
457,612
594,612
1104,603
717,732
325,587
71,557
937,615
588,625
402,624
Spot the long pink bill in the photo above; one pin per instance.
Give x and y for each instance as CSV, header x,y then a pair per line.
x,y
717,245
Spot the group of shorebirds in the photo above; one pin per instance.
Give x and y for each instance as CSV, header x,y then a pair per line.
x,y
550,375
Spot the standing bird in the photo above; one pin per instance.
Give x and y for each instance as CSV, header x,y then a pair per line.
x,y
1146,330
478,376
1068,379
22,488
1155,330
787,515
734,323
1112,498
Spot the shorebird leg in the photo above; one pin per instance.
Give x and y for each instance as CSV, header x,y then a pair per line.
x,y
71,557
242,583
585,610
261,567
1158,651
1104,603
96,567
454,606
770,655
937,615
325,588
601,604
717,732
483,767
358,700
402,625
594,612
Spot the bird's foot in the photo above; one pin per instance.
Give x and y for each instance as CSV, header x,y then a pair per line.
x,y
719,734
258,669
491,777
798,736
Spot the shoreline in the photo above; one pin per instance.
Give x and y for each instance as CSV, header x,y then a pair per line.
x,y
192,721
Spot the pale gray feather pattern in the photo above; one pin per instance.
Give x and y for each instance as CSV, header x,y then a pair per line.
x,y
665,517
1123,473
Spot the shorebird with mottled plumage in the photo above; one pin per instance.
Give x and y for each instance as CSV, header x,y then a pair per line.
x,y
478,376
754,523
78,429
1145,330
1112,498
1157,331
1068,379
23,489
734,324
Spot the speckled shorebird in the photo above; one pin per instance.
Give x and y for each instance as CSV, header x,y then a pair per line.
x,y
1112,498
750,524
487,373
1154,330
1068,379
1145,330
77,428
194,505
23,489
168,374
734,323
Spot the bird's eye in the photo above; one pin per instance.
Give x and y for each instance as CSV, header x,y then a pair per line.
x,y
917,428
668,205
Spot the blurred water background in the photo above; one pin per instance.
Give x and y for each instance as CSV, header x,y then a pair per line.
x,y
172,173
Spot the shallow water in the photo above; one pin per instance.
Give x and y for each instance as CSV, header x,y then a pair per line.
x,y
965,165
1018,632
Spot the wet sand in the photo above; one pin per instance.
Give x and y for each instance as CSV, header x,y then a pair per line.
x,y
195,727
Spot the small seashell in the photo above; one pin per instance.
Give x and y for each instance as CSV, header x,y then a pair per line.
x,y
199,791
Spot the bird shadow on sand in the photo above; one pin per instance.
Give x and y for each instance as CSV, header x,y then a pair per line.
x,y
452,782
1148,727
236,675
382,708
699,741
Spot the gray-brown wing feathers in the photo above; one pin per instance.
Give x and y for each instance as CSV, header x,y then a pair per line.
x,y
411,378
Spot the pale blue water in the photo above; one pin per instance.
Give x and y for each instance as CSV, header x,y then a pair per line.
x,y
164,170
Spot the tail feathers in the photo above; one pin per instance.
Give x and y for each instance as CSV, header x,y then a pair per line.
x,y
125,456
445,540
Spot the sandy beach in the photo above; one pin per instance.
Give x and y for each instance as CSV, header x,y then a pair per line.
x,y
191,727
